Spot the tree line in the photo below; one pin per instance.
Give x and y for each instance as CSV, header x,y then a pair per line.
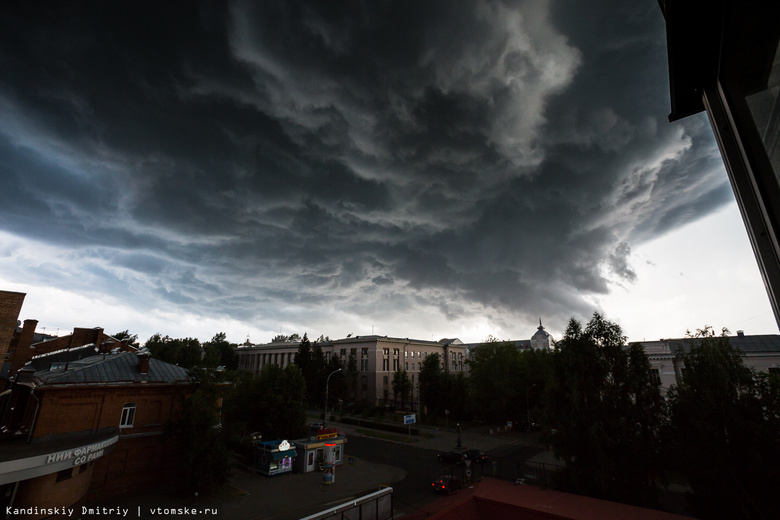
x,y
599,405
603,413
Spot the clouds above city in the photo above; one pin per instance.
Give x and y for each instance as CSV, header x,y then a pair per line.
x,y
326,165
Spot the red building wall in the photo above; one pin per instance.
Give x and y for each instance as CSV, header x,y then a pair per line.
x,y
10,307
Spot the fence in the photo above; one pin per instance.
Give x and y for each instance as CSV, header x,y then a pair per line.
x,y
523,471
374,506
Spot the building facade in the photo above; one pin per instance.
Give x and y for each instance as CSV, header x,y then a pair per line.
x,y
378,357
760,352
87,423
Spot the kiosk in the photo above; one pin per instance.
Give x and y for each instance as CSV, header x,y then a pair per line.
x,y
274,457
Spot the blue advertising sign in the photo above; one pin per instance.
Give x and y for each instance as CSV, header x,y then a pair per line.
x,y
409,419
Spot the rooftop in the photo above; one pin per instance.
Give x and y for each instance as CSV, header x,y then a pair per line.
x,y
121,367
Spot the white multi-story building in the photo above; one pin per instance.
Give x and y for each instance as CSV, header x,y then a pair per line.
x,y
378,357
760,352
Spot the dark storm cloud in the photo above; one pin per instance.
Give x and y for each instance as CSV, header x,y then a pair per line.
x,y
494,157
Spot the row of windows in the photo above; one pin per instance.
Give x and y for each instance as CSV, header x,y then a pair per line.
x,y
255,362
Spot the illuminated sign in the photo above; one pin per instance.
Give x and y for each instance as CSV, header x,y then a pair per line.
x,y
284,446
327,433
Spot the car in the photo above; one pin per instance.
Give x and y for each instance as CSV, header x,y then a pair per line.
x,y
317,426
525,426
476,456
452,457
446,485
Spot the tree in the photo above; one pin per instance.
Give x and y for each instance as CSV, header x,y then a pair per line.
x,y
402,386
206,459
317,377
724,430
352,376
272,403
605,407
303,357
338,383
497,381
184,352
431,384
219,352
125,334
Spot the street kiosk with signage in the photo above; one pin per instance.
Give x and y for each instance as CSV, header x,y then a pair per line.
x,y
274,457
312,453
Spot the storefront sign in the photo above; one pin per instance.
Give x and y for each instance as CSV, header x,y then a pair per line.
x,y
82,455
328,433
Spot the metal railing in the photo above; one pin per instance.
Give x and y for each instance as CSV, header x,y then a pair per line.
x,y
374,506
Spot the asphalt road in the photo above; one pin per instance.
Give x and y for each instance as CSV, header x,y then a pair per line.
x,y
421,468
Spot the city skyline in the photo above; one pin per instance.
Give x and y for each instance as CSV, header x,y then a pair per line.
x,y
423,170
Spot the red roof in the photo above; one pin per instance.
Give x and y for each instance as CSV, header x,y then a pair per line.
x,y
497,500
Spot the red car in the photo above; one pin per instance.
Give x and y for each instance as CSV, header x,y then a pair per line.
x,y
446,485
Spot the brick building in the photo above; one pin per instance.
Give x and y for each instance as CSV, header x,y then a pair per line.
x,y
10,307
83,418
84,424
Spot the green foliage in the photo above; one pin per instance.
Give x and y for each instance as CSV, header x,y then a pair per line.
x,y
337,389
272,403
352,377
218,352
724,430
432,384
402,387
497,377
185,352
607,412
205,457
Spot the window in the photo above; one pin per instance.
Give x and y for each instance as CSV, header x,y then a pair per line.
x,y
412,367
128,416
65,474
384,380
655,373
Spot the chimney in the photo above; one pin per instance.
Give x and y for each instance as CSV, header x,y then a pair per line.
x,y
23,352
143,360
741,333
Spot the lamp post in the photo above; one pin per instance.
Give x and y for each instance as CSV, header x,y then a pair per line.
x,y
527,407
327,382
459,446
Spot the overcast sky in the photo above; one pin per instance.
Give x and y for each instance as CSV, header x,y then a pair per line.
x,y
415,169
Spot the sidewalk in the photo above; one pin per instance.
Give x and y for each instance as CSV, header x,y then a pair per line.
x,y
283,497
295,495
482,437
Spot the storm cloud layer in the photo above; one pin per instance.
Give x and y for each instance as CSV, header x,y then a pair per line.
x,y
328,162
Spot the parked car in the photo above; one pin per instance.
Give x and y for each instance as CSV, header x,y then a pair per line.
x,y
524,426
452,457
317,426
476,456
446,485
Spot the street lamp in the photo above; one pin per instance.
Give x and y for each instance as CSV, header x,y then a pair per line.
x,y
527,407
327,382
